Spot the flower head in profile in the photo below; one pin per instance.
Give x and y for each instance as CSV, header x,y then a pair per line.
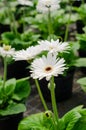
x,y
25,2
46,5
27,54
54,46
6,50
46,67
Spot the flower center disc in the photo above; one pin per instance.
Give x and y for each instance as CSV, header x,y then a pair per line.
x,y
48,69
48,3
7,47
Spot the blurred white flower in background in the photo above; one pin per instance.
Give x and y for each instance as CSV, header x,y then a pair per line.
x,y
27,54
54,46
25,2
46,5
46,67
7,51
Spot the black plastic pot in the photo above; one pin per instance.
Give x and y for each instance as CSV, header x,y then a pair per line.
x,y
63,90
79,23
4,28
10,122
79,26
77,3
17,70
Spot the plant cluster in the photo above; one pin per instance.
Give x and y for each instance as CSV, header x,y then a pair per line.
x,y
38,33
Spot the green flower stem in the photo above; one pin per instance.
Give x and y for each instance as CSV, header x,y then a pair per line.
x,y
53,99
83,2
40,94
23,18
68,23
11,16
5,71
14,23
49,23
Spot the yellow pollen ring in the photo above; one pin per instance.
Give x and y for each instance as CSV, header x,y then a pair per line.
x,y
6,47
51,47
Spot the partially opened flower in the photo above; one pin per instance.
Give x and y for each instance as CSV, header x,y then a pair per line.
x,y
27,54
25,2
6,50
54,46
46,67
46,5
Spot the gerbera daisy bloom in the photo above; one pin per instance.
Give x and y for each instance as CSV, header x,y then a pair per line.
x,y
6,50
25,2
27,54
46,5
46,67
54,46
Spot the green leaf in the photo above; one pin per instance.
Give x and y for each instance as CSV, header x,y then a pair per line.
x,y
13,109
37,122
22,89
1,89
81,124
82,82
69,120
10,86
75,119
84,29
7,37
75,46
81,62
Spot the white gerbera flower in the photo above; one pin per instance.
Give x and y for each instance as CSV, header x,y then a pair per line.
x,y
46,5
54,46
27,54
25,2
47,67
6,50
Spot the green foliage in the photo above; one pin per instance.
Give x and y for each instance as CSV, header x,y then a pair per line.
x,y
37,122
80,62
24,86
19,41
13,95
81,12
71,118
81,124
82,40
5,13
72,53
12,109
82,82
75,119
9,87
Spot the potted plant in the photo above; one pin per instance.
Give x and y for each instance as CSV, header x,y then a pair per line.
x,y
17,39
82,41
50,64
81,11
49,67
7,14
82,51
13,94
65,80
48,23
